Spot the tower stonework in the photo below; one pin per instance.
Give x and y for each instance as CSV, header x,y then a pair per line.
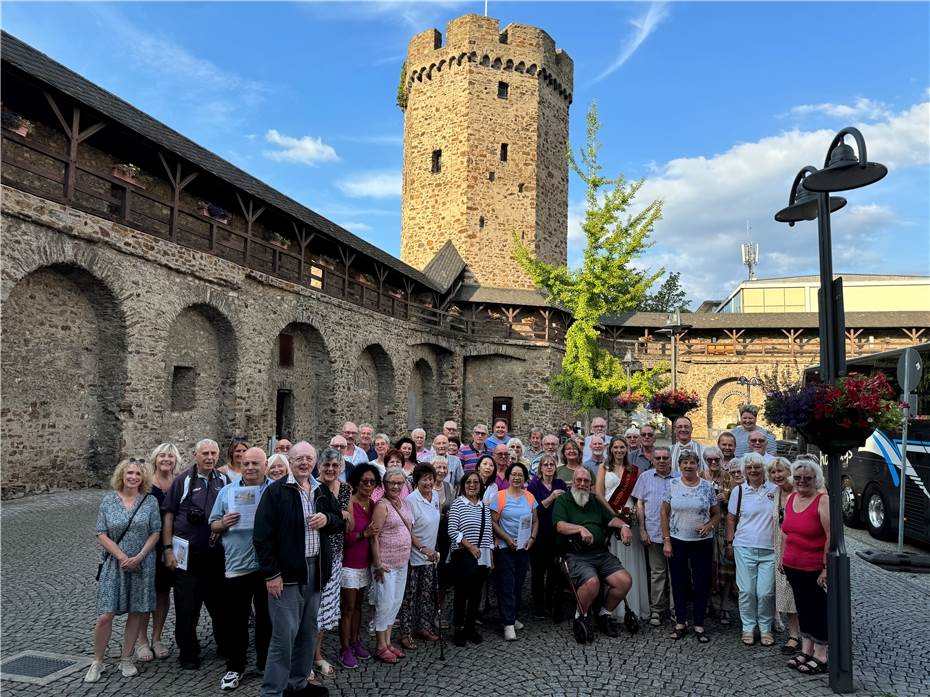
x,y
485,142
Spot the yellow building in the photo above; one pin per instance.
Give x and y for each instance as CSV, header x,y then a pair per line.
x,y
861,293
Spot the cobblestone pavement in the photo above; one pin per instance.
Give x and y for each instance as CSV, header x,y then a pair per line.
x,y
49,558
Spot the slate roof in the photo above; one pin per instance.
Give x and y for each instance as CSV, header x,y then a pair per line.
x,y
445,267
768,320
528,297
40,66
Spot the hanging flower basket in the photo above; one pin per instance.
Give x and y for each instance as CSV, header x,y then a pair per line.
x,y
836,417
629,401
673,404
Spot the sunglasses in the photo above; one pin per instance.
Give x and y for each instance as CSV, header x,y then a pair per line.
x,y
136,461
661,457
339,447
803,478
712,459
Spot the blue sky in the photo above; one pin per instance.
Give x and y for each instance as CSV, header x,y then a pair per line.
x,y
718,105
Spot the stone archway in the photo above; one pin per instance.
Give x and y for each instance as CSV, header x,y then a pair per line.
x,y
723,401
372,396
64,374
302,366
201,362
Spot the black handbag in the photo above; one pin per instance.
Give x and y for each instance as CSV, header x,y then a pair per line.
x,y
119,539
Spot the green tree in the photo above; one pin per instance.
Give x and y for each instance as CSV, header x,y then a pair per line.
x,y
669,297
606,283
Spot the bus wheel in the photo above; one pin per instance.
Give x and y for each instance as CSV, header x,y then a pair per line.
x,y
850,504
876,514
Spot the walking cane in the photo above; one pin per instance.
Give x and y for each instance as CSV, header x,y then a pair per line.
x,y
442,641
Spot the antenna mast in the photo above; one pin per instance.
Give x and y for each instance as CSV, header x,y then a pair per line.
x,y
750,253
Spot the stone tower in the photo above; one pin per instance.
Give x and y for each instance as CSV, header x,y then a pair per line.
x,y
485,138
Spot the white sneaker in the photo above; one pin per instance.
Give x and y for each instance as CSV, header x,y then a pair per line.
x,y
230,681
509,633
518,625
127,667
94,672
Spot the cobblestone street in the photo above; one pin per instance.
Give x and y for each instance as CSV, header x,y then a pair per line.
x,y
49,558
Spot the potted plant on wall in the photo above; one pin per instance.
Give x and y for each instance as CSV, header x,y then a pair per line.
x,y
836,417
279,240
213,211
16,123
673,404
129,173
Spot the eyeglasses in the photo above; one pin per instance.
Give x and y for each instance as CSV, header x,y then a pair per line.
x,y
339,447
136,461
662,457
712,459
644,434
393,484
480,433
328,465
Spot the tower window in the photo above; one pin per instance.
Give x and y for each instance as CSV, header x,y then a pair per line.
x,y
286,350
491,176
502,37
481,221
503,152
503,90
437,161
520,188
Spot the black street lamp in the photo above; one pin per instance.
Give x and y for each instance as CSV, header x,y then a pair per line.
x,y
810,198
748,383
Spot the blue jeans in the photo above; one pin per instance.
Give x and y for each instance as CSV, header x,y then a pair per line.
x,y
293,635
755,578
511,572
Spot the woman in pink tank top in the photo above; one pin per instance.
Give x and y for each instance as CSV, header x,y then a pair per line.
x,y
803,561
390,552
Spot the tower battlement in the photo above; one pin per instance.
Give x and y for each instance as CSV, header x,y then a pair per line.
x,y
477,39
485,137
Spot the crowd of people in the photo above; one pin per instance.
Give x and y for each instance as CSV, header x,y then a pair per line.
x,y
294,543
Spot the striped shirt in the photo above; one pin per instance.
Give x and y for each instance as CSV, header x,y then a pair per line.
x,y
311,537
465,523
469,456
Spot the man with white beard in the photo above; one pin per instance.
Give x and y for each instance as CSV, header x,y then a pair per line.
x,y
584,526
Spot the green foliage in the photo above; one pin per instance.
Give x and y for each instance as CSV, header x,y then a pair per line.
x,y
402,87
606,283
669,297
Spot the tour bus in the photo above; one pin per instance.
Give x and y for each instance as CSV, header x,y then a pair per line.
x,y
871,474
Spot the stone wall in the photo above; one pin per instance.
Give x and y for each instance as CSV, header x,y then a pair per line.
x,y
455,106
115,341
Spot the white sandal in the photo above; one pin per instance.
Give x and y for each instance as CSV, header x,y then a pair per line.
x,y
324,668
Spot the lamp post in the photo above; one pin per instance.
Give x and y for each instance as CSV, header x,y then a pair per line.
x,y
674,327
749,383
808,199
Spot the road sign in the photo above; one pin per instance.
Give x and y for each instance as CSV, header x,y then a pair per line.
x,y
910,369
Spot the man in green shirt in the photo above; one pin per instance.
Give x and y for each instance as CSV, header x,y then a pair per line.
x,y
584,524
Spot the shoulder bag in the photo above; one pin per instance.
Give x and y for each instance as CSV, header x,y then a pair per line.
x,y
120,538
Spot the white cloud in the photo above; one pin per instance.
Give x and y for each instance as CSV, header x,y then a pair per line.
x,y
177,78
708,200
305,150
372,185
357,228
643,26
862,108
